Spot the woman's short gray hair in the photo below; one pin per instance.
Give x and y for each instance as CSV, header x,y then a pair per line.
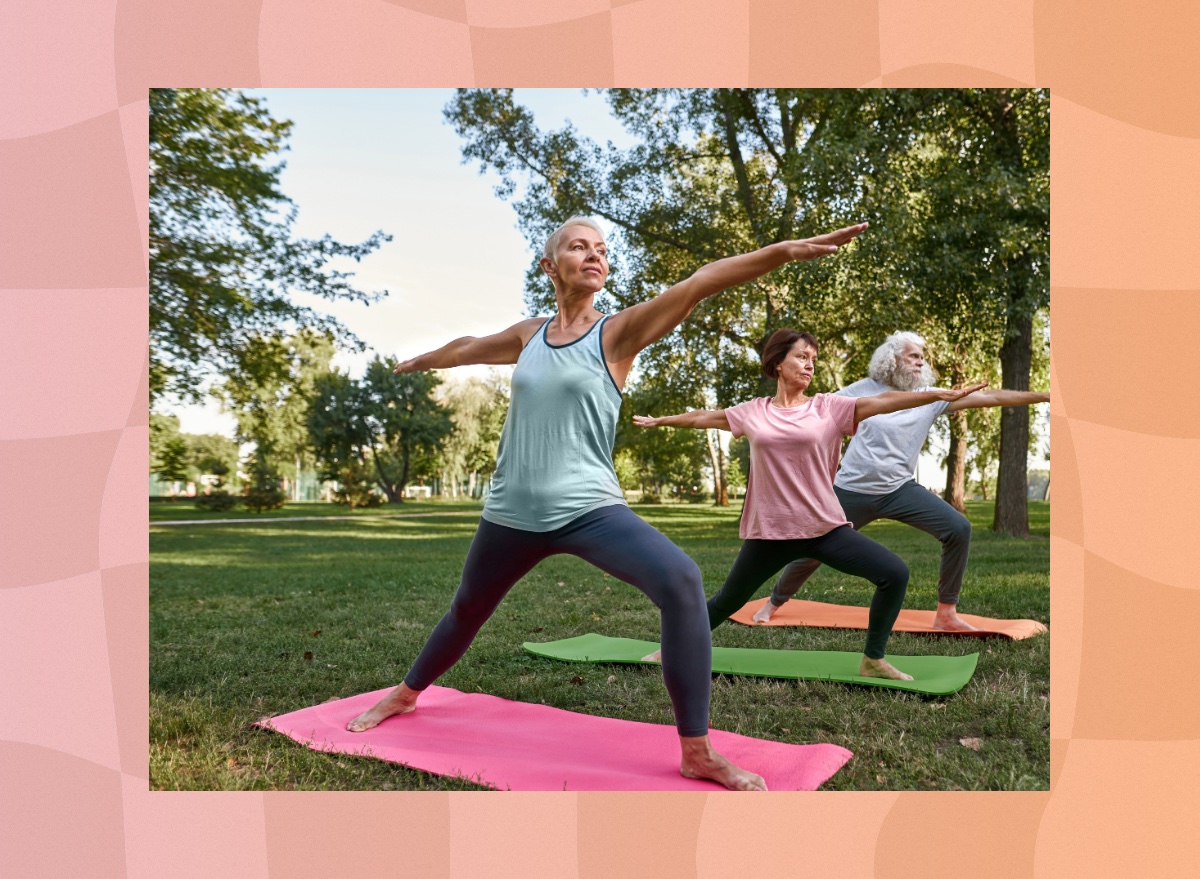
x,y
883,361
557,235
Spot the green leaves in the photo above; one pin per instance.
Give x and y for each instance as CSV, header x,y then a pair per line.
x,y
223,259
386,423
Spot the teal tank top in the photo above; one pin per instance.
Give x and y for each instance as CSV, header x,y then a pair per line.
x,y
555,458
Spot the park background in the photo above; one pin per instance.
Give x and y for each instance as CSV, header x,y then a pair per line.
x,y
436,187
74,603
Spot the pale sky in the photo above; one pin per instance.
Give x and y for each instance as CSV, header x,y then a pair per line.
x,y
369,159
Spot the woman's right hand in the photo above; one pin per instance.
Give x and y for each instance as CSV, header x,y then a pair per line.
x,y
647,421
409,365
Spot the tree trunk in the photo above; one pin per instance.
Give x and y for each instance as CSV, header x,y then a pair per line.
x,y
723,500
1012,484
956,459
717,459
389,489
956,462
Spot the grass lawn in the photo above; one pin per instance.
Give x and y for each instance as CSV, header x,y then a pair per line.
x,y
262,618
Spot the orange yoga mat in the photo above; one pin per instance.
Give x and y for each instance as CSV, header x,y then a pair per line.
x,y
836,616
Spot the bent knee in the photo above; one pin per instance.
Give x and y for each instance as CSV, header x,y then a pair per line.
x,y
683,589
895,573
470,613
958,532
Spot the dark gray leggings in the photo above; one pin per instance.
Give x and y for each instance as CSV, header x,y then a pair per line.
x,y
616,541
843,549
912,505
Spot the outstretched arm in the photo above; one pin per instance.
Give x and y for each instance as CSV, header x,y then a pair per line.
x,y
696,418
998,397
634,328
894,401
498,348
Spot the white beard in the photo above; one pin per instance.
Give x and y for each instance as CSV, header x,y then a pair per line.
x,y
904,380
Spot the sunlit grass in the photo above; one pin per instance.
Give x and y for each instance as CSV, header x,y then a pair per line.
x,y
250,620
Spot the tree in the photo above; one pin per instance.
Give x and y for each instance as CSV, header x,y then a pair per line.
x,y
664,460
389,422
173,461
223,257
212,453
270,396
478,407
263,492
163,429
992,179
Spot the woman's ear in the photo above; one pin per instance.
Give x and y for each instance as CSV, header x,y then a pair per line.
x,y
548,266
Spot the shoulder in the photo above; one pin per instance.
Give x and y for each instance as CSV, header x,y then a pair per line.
x,y
749,410
753,405
527,329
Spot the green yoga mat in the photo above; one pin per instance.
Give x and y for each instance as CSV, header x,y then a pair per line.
x,y
932,675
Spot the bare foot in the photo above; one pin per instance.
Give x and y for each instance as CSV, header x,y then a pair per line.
x,y
699,760
947,620
881,668
656,656
401,700
764,613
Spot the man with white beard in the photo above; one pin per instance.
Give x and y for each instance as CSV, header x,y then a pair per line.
x,y
875,479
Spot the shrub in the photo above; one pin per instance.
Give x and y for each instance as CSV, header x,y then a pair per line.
x,y
264,492
219,501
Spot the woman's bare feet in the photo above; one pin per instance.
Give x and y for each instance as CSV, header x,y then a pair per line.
x,y
764,613
656,656
947,619
401,700
881,668
699,760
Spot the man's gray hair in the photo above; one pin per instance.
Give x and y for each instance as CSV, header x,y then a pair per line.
x,y
885,361
557,235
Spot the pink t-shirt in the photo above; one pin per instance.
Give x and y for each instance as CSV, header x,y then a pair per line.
x,y
793,458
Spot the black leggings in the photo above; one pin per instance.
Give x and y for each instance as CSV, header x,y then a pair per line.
x,y
616,541
843,549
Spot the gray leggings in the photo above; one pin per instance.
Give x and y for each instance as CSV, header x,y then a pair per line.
x,y
616,541
913,505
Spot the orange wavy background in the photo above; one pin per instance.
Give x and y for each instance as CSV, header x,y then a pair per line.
x,y
1126,304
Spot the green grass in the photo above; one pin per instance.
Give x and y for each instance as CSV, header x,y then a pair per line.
x,y
250,620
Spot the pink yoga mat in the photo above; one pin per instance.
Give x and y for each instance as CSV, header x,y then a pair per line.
x,y
519,746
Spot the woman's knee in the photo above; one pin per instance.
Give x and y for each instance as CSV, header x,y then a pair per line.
x,y
894,573
958,532
470,612
683,588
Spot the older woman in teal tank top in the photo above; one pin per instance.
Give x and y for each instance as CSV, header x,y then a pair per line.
x,y
554,489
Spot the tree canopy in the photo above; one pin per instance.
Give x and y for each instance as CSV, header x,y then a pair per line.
x,y
954,184
223,255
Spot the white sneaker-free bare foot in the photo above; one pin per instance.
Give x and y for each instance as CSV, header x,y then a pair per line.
x,y
699,760
764,613
947,620
656,656
401,700
881,668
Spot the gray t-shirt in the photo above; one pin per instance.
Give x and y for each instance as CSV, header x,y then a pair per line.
x,y
883,454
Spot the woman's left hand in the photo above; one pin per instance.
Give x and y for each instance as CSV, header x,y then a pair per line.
x,y
822,245
646,421
958,393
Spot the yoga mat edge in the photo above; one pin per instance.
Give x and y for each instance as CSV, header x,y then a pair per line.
x,y
933,675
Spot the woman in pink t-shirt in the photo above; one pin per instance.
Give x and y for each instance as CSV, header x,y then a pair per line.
x,y
791,511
